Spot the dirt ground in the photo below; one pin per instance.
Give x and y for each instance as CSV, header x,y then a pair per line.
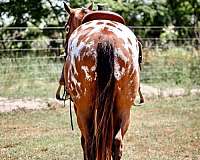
x,y
162,129
10,104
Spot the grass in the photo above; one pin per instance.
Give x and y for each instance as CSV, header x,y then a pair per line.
x,y
33,76
162,129
29,76
175,66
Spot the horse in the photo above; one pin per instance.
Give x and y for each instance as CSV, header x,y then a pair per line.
x,y
101,73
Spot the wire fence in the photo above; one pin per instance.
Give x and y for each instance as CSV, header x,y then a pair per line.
x,y
15,39
32,67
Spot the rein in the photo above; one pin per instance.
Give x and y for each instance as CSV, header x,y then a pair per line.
x,y
64,97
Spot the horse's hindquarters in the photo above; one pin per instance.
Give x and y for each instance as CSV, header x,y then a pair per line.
x,y
127,88
80,80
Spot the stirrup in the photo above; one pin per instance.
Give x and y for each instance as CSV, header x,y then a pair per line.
x,y
65,95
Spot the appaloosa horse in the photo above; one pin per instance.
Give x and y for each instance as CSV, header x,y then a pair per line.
x,y
102,77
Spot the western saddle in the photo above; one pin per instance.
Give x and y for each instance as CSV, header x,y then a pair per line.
x,y
103,15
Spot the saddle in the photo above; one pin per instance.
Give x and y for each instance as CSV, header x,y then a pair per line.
x,y
103,15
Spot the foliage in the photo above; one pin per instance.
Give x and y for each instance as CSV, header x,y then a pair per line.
x,y
184,13
49,13
168,36
28,13
195,68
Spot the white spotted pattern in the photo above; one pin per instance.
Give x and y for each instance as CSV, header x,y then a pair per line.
x,y
120,30
86,71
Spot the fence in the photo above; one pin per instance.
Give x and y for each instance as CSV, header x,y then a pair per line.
x,y
16,39
31,67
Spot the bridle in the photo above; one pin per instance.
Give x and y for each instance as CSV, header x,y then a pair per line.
x,y
67,32
68,29
67,25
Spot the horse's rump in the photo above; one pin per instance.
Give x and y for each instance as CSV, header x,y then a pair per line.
x,y
81,61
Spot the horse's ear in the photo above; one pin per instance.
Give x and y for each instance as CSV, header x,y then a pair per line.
x,y
90,6
67,8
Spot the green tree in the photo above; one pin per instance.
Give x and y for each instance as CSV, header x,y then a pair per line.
x,y
28,13
184,13
50,13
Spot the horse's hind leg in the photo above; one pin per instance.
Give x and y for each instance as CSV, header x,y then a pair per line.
x,y
123,120
117,146
85,122
83,146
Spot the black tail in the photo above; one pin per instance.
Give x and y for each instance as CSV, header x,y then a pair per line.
x,y
105,99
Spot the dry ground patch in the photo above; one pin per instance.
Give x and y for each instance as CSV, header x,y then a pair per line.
x,y
162,129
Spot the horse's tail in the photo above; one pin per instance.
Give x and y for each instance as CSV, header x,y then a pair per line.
x,y
105,100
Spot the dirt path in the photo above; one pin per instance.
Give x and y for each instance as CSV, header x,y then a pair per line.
x,y
8,104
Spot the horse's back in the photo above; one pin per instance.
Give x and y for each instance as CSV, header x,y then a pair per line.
x,y
81,62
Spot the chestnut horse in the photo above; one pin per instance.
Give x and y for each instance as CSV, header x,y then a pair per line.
x,y
101,74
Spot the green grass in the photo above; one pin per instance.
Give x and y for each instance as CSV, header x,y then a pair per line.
x,y
162,129
175,66
33,76
29,76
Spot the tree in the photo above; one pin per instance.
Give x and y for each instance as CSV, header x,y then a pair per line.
x,y
24,13
184,13
28,13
